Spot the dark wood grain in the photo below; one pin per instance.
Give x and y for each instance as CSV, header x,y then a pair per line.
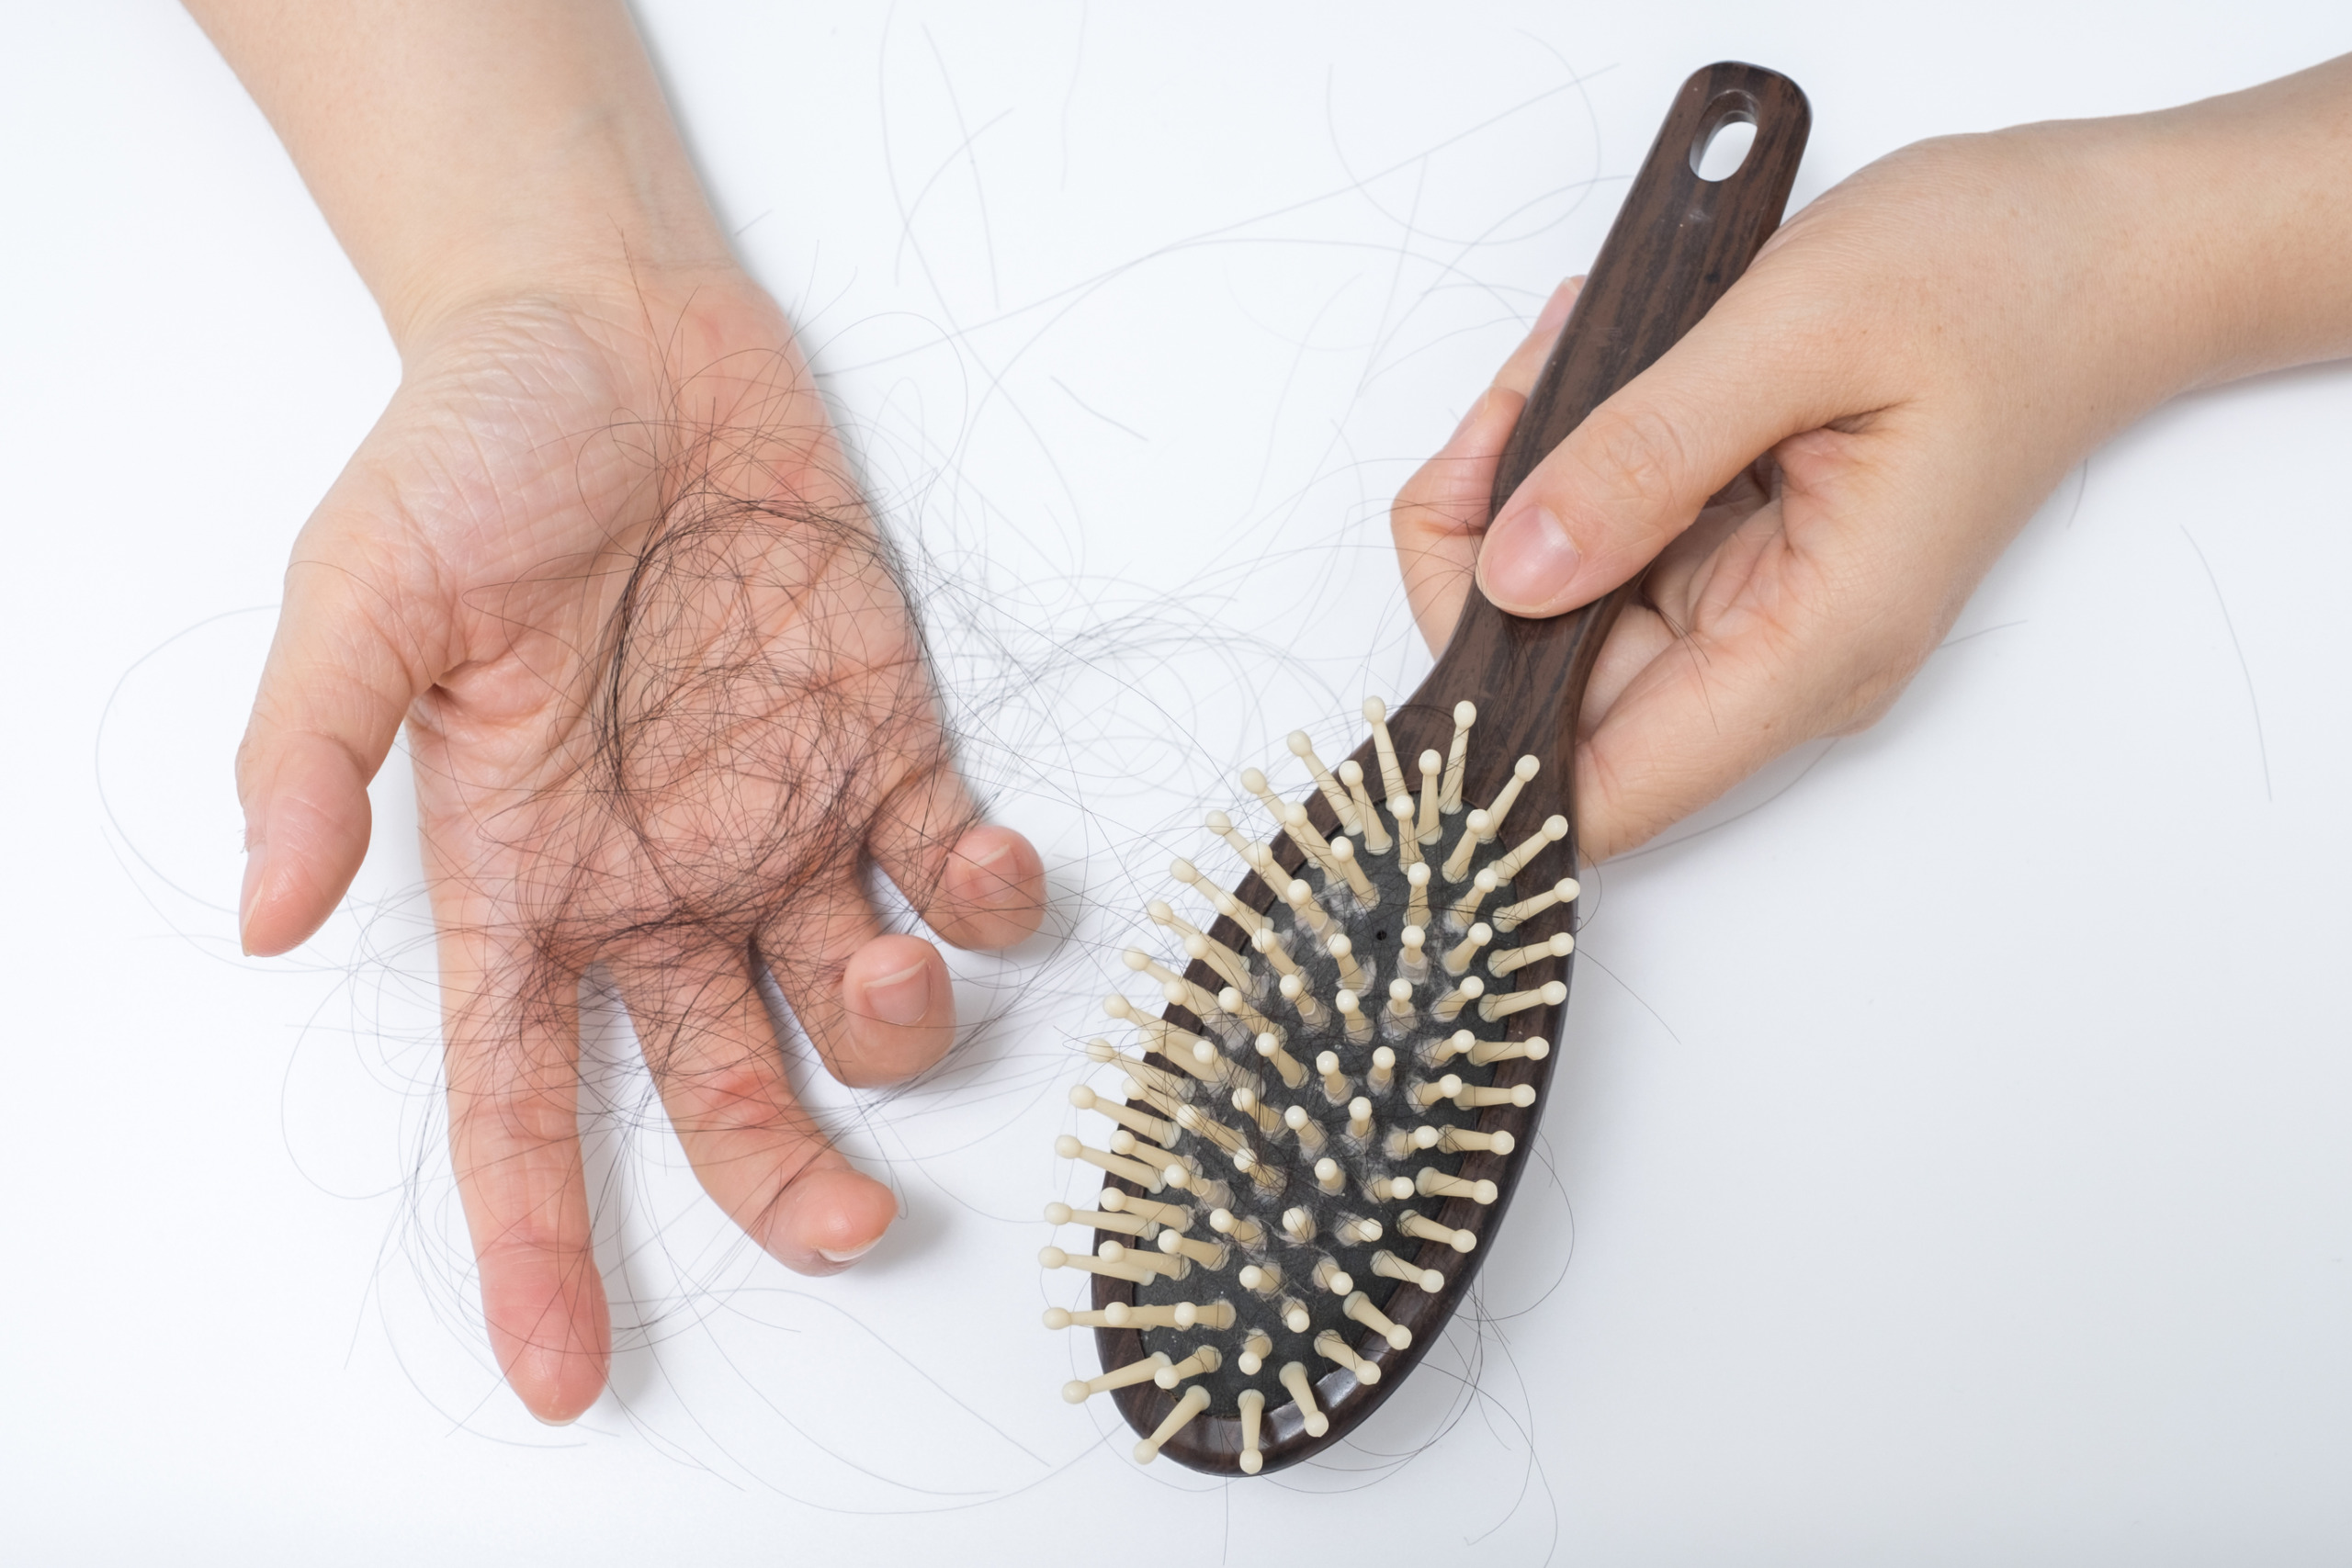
x,y
1678,241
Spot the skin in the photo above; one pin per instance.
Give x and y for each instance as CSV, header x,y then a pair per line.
x,y
1916,358
570,320
1813,482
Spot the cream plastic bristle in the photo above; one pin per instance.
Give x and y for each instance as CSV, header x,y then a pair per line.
x,y
1195,1400
1311,843
1343,855
1233,1004
1225,903
1133,1372
1270,1179
1057,1318
1124,1314
1311,1012
1240,843
1447,1008
1405,1142
1326,1064
1462,1140
1136,1171
1255,783
1229,965
1359,1023
1341,807
1352,973
1303,907
1294,1314
1517,958
1427,1229
1475,1097
1240,1227
1388,1263
1201,1361
1408,839
1428,1094
1256,1346
1135,1066
1207,1254
1245,1100
1389,1189
1218,1315
1552,994
1331,1347
1375,713
1432,788
1434,1183
1253,1415
1512,916
1329,1276
1465,908
1463,953
1213,1192
1143,962
1360,1118
1354,1230
1298,1224
1175,1216
1055,1257
1101,1219
1304,1127
1171,1265
1151,1127
1437,1053
1264,866
1457,756
1289,1068
1554,829
1161,915
1375,837
1302,1388
1400,1001
1384,1064
1143,1094
1473,829
1264,1279
1412,953
1122,1142
1359,1307
1268,945
1417,895
1521,770
1328,1176
1535,1048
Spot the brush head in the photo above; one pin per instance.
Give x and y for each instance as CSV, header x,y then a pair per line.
x,y
1331,1097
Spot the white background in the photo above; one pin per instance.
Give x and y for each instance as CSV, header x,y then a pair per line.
x,y
1953,1162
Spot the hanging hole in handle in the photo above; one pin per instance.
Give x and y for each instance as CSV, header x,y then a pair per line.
x,y
1725,133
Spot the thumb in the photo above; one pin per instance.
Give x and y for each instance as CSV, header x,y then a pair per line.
x,y
1637,470
333,694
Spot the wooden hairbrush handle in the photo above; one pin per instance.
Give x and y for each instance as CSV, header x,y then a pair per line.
x,y
1678,244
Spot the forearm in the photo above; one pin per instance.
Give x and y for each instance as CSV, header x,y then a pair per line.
x,y
2257,187
466,149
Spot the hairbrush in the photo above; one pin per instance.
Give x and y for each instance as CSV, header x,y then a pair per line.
x,y
1336,1093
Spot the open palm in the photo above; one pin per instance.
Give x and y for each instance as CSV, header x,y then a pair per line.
x,y
665,700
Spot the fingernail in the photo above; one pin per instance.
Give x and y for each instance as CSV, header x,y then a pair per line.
x,y
903,998
852,1256
251,891
1528,559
